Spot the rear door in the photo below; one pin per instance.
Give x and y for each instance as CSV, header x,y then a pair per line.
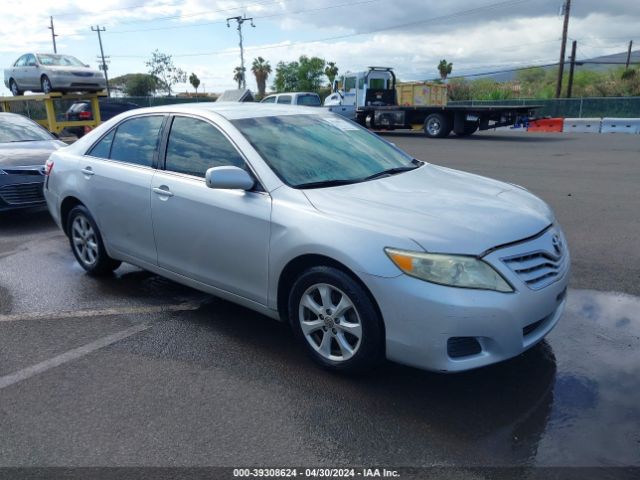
x,y
116,186
217,237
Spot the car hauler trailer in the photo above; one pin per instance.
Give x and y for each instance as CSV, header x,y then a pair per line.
x,y
371,98
33,104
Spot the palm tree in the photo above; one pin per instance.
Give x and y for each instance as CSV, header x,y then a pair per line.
x,y
261,69
444,68
195,82
238,76
331,71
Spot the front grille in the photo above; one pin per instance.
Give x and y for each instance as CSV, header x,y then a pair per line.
x,y
83,74
24,171
537,269
463,346
22,194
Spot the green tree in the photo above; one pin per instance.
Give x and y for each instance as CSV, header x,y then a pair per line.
x,y
195,82
310,73
238,76
261,70
445,69
286,77
135,84
331,71
161,67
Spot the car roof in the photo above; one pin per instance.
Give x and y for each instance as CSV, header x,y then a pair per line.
x,y
291,93
230,110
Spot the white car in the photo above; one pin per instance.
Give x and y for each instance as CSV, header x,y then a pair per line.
x,y
306,99
304,216
50,72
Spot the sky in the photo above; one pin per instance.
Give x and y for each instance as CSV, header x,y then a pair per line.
x,y
409,35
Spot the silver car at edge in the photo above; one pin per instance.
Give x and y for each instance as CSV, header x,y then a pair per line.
x,y
52,72
306,217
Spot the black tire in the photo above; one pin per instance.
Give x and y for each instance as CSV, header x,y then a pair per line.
x,y
368,349
102,263
13,86
45,84
437,125
469,129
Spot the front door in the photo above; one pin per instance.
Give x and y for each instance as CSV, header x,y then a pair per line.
x,y
216,237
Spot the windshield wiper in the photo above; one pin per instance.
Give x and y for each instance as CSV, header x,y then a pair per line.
x,y
393,171
326,183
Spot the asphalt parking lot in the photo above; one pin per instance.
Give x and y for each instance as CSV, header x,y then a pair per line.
x,y
135,370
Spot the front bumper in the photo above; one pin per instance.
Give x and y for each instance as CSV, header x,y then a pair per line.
x,y
77,83
425,321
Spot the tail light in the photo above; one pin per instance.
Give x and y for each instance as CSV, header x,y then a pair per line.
x,y
84,115
48,167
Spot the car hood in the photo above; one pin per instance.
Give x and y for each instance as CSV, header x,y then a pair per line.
x,y
443,210
23,154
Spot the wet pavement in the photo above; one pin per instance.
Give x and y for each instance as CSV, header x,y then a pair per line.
x,y
134,369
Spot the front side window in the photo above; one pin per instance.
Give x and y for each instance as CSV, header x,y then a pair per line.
x,y
136,140
307,149
195,146
269,100
284,99
30,61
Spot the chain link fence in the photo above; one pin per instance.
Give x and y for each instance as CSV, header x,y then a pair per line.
x,y
624,107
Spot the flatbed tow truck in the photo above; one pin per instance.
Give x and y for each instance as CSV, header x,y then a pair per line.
x,y
371,99
17,104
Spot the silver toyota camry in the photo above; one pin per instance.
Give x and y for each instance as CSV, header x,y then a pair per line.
x,y
306,217
52,72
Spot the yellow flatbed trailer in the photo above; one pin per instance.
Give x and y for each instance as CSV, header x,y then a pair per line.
x,y
51,123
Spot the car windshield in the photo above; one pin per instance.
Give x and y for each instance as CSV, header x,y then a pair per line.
x,y
49,59
17,129
309,150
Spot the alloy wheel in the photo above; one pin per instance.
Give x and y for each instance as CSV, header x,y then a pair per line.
x,y
84,240
46,85
14,88
330,322
434,126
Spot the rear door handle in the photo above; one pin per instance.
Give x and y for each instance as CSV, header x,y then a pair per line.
x,y
88,171
163,191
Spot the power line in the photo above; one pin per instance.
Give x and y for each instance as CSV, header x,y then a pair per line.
x,y
450,16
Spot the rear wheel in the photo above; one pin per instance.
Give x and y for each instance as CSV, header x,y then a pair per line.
x,y
13,86
335,319
45,84
437,125
86,243
469,129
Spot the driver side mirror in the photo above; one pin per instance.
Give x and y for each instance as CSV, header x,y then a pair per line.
x,y
229,178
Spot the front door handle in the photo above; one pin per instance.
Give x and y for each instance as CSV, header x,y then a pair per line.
x,y
88,171
163,191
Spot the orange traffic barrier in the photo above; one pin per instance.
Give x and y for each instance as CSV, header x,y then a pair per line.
x,y
546,125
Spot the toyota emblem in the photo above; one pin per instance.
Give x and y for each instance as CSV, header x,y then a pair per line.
x,y
556,241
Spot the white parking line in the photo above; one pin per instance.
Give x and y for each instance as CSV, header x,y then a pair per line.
x,y
69,356
99,312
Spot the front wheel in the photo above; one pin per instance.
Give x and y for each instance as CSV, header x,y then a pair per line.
x,y
45,84
335,319
86,243
437,125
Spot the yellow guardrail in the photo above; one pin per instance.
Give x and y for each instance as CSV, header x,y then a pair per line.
x,y
50,122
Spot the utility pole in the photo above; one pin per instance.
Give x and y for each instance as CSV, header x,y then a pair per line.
x,y
629,54
53,35
104,64
573,65
240,21
563,46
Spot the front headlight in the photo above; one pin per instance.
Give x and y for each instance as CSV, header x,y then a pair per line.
x,y
452,270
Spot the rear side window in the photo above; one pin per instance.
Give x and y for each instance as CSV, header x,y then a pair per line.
x,y
269,100
195,146
136,140
284,99
103,147
310,100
